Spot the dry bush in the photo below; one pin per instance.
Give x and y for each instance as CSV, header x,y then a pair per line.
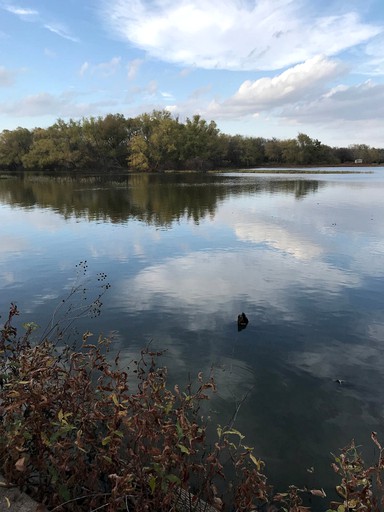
x,y
80,433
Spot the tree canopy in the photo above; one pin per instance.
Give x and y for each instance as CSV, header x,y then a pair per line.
x,y
157,141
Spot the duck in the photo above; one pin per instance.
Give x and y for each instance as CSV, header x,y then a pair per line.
x,y
242,321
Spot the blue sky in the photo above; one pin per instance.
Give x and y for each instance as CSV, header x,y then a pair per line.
x,y
268,68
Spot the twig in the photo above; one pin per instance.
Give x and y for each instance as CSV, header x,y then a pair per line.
x,y
78,499
234,416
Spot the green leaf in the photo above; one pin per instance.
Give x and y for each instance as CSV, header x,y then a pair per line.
x,y
64,493
106,440
234,432
173,479
53,474
179,430
183,449
152,483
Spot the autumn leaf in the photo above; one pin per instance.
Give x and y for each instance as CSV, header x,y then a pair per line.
x,y
115,400
255,461
20,464
319,492
374,439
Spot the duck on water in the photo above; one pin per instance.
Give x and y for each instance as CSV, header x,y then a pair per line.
x,y
242,322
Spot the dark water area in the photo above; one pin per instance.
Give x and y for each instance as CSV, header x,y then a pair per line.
x,y
301,254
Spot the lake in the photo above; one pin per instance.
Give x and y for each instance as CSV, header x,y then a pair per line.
x,y
301,254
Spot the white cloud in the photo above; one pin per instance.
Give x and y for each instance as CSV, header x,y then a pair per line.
x,y
228,34
47,104
293,85
35,105
60,30
22,12
84,68
173,109
103,69
34,16
133,68
167,95
152,87
279,238
373,60
108,68
357,102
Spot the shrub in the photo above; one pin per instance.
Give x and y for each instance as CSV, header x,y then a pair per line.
x,y
78,432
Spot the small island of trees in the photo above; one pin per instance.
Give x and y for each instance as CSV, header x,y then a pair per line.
x,y
158,141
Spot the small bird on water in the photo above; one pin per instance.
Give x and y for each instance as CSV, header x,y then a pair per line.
x,y
242,322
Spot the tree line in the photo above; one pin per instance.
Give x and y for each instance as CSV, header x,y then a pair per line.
x,y
157,141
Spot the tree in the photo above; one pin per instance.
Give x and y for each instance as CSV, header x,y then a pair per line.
x,y
106,139
138,153
343,155
199,143
13,146
274,151
45,151
289,151
61,146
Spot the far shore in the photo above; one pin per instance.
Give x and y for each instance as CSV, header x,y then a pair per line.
x,y
348,168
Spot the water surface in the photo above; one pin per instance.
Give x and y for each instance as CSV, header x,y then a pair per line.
x,y
301,255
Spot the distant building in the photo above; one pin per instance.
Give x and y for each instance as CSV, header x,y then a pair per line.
x,y
358,161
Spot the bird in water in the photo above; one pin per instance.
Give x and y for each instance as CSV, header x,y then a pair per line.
x,y
242,322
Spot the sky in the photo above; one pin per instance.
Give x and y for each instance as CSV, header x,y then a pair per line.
x,y
259,68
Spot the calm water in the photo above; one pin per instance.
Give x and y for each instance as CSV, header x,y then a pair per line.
x,y
301,255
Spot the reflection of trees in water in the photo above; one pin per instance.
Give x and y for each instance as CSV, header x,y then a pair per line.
x,y
155,199
300,188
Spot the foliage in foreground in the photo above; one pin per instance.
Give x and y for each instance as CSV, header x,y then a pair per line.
x,y
80,433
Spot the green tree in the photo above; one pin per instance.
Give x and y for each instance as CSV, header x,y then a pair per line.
x,y
289,151
274,151
156,143
163,141
199,143
60,146
307,149
138,153
45,151
13,146
106,140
